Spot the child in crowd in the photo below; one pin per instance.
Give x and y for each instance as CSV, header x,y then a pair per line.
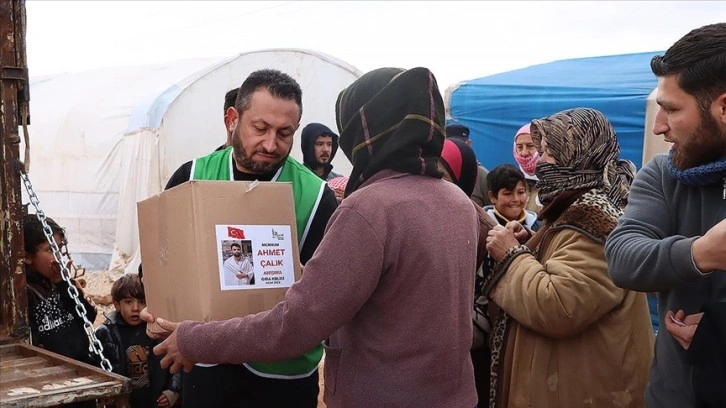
x,y
129,349
54,323
508,194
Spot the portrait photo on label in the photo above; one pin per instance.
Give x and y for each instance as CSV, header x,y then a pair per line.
x,y
254,256
237,265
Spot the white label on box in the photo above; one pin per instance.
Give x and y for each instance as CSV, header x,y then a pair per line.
x,y
254,256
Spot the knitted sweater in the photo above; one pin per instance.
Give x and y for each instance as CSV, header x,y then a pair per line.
x,y
390,285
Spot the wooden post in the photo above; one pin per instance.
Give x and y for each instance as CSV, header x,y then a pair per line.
x,y
14,96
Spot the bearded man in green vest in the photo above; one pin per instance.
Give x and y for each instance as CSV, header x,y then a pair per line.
x,y
262,121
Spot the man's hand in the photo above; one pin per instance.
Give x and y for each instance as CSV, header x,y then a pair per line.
x,y
708,253
499,241
169,347
682,327
241,275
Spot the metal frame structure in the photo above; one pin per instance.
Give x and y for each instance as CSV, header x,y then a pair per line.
x,y
29,376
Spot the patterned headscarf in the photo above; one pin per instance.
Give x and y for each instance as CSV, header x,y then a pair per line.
x,y
337,184
583,143
460,161
529,163
391,118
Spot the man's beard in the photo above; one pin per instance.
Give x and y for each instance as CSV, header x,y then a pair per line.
x,y
244,159
321,163
705,145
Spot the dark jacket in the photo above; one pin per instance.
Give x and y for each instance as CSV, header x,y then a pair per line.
x,y
707,355
109,334
307,142
54,323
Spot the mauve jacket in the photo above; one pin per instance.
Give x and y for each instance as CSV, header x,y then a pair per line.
x,y
391,288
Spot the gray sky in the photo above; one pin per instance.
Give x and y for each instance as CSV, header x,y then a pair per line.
x,y
456,40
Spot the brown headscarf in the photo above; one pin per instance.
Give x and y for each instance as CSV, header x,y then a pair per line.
x,y
391,118
583,143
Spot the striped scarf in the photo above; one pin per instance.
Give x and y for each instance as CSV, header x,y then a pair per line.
x,y
585,149
391,118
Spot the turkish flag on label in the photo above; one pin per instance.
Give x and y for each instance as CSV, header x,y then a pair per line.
x,y
235,233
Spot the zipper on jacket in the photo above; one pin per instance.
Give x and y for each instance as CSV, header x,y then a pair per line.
x,y
723,195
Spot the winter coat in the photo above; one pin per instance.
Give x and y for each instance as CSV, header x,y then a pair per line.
x,y
116,352
707,355
570,337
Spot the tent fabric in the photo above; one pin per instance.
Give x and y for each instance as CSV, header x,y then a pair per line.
x,y
102,140
494,107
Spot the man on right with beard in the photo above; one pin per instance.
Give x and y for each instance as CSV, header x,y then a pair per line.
x,y
671,239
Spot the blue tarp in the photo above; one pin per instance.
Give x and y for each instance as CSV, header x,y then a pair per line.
x,y
494,107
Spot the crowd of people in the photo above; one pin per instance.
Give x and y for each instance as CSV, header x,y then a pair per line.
x,y
431,281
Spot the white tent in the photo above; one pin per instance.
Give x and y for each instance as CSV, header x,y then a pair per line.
x,y
102,140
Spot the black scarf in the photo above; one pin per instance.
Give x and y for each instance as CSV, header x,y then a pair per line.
x,y
391,118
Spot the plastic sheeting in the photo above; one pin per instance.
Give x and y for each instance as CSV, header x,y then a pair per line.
x,y
105,139
494,107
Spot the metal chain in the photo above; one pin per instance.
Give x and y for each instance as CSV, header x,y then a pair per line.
x,y
96,345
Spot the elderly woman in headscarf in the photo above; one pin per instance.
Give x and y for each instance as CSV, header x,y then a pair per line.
x,y
564,335
526,155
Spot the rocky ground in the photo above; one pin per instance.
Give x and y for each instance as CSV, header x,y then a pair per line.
x,y
98,287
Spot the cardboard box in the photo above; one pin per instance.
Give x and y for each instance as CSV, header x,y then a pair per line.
x,y
186,236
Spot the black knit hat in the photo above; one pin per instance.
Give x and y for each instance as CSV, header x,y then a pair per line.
x,y
459,131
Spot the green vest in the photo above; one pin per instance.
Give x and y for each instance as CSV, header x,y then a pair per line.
x,y
307,189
